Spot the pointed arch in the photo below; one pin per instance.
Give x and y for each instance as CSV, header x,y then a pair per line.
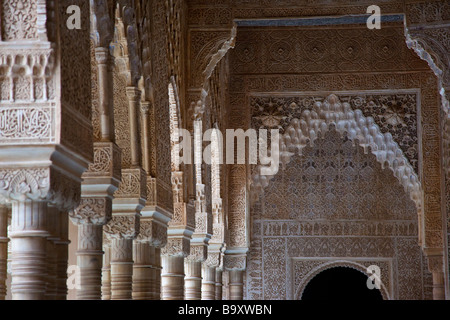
x,y
358,129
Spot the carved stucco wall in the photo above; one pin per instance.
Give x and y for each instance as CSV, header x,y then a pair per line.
x,y
316,62
334,203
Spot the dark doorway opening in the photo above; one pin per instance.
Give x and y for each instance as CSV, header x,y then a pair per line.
x,y
340,283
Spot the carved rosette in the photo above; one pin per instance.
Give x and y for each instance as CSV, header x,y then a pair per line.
x,y
123,227
92,211
152,232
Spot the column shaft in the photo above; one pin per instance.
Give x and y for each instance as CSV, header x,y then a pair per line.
x,y
209,283
219,285
62,248
438,286
102,57
172,278
121,269
3,249
133,100
236,284
28,250
142,271
193,280
53,227
106,274
89,260
158,267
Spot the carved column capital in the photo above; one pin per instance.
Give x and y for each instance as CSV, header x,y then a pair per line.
x,y
92,211
235,259
39,184
177,246
152,232
214,259
133,94
198,252
435,263
145,107
123,227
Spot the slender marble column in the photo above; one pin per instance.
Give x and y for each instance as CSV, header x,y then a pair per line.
x,y
29,250
193,280
89,260
219,285
236,284
3,249
435,259
53,226
158,267
62,249
142,270
208,283
102,56
172,277
152,273
106,273
438,286
133,95
121,269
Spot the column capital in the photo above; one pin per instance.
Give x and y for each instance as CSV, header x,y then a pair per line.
x,y
145,107
152,232
133,94
235,259
102,55
435,263
123,227
176,246
96,211
198,252
39,184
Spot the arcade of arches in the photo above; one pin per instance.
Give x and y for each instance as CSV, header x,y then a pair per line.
x,y
94,203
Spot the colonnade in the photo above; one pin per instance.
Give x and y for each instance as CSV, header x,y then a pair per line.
x,y
37,233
